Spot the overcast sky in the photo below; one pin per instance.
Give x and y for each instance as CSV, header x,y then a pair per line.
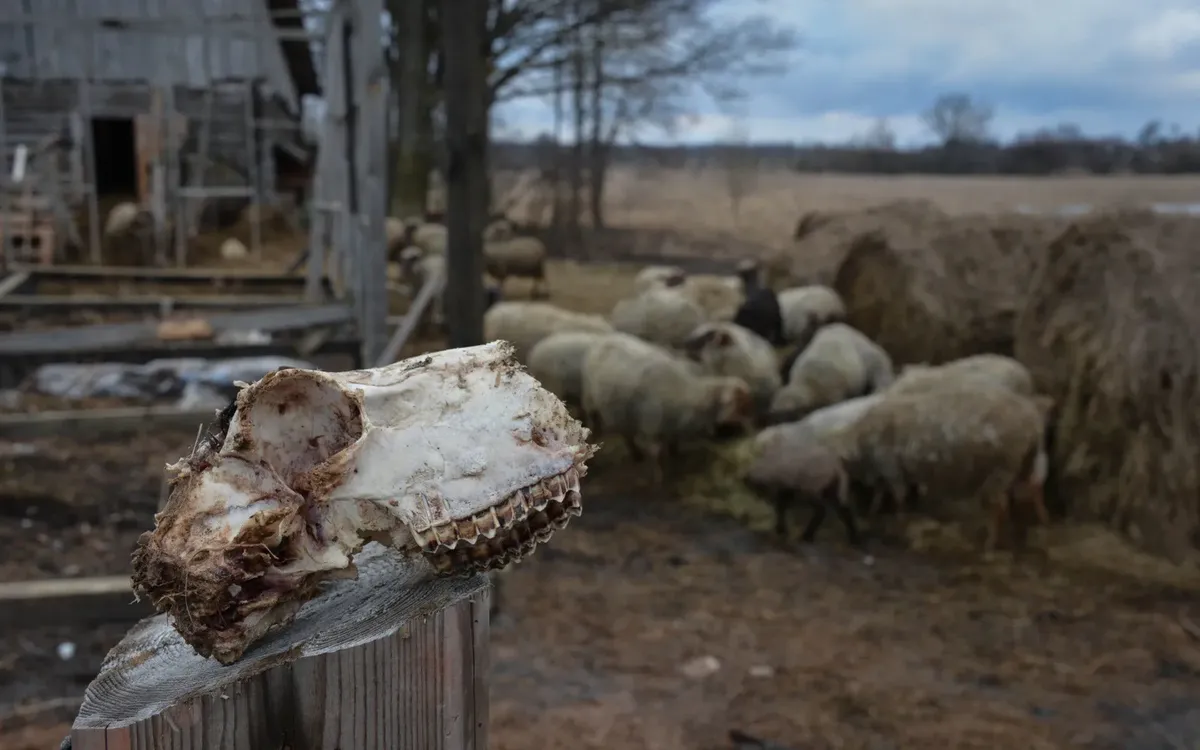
x,y
1107,65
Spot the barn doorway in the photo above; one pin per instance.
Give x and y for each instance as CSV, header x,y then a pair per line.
x,y
114,149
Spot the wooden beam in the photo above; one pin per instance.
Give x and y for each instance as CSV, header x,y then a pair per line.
x,y
11,283
96,422
409,323
395,660
69,601
463,45
219,277
142,302
118,335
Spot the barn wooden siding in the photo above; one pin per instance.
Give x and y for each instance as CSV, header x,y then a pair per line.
x,y
185,50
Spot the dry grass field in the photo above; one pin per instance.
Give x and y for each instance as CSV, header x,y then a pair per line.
x,y
666,617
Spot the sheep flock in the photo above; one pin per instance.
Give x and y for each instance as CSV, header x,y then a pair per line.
x,y
909,362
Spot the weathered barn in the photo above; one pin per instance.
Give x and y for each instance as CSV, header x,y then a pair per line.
x,y
105,77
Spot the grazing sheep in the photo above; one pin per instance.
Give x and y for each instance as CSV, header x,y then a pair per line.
x,y
838,364
983,369
396,233
791,467
760,311
729,349
234,249
524,323
128,237
719,297
522,257
557,362
660,315
428,236
651,277
958,442
634,389
806,308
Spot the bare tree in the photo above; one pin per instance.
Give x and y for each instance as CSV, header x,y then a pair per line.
x,y
956,118
739,165
879,137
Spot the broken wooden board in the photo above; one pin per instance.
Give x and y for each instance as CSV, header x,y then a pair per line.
x,y
96,422
119,335
69,601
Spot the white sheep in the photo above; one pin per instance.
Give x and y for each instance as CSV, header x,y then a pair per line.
x,y
792,467
557,362
428,236
234,249
656,276
660,315
395,234
806,308
522,257
995,369
121,218
955,443
729,349
525,323
838,364
634,389
718,296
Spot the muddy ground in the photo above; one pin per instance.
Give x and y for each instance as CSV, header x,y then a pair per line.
x,y
651,624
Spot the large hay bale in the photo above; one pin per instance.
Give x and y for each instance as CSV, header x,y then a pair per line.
x,y
1110,330
948,290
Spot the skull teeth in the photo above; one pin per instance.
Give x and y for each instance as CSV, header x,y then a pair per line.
x,y
507,531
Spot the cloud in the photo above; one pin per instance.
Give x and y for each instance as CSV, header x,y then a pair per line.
x,y
1106,65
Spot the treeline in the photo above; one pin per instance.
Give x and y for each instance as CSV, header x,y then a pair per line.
x,y
1029,155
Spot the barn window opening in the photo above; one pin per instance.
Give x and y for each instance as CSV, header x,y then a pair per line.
x,y
115,152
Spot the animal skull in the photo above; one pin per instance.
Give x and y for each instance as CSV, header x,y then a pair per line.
x,y
460,455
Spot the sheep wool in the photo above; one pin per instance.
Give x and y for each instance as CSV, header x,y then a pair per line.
x,y
956,443
980,369
121,217
524,323
660,315
838,364
522,257
656,276
729,349
806,308
719,297
557,362
634,389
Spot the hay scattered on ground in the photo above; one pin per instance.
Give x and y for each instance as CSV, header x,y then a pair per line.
x,y
1106,333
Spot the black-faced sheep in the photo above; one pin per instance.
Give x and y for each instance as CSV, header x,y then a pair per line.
x,y
636,390
838,364
760,310
525,323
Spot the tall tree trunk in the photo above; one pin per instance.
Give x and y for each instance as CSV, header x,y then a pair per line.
x,y
579,103
596,145
412,157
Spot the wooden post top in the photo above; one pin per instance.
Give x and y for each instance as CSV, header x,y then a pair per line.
x,y
352,655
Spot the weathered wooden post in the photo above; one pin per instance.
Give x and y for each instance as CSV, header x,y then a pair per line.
x,y
394,660
464,50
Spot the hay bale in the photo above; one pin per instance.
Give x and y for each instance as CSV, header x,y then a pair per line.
x,y
1109,333
947,290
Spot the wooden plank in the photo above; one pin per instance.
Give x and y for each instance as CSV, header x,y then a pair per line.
x,y
97,422
394,660
210,276
408,324
142,302
11,283
69,601
118,335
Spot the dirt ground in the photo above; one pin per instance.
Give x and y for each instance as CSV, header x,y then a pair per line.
x,y
649,623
